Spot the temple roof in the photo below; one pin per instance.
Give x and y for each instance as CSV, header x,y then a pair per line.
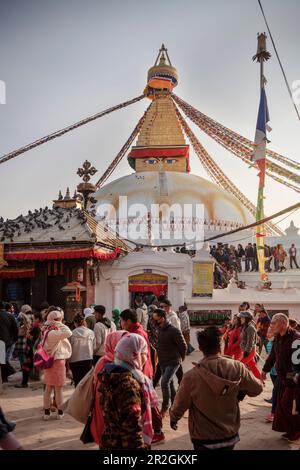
x,y
57,225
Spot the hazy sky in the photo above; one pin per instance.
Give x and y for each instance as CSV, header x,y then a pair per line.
x,y
65,60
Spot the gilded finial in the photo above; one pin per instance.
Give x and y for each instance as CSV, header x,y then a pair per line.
x,y
262,54
67,196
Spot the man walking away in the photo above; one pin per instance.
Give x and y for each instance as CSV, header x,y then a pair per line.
x,y
102,327
171,350
172,317
211,391
293,256
142,312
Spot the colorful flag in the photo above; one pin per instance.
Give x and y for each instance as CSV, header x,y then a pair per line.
x,y
259,157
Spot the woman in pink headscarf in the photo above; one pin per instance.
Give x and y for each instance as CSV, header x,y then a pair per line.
x,y
111,342
127,397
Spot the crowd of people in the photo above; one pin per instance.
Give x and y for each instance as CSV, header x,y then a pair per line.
x,y
233,260
123,357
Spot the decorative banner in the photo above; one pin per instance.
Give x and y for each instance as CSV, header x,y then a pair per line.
x,y
148,282
203,279
209,317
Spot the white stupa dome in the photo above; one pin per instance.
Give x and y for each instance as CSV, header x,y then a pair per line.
x,y
221,212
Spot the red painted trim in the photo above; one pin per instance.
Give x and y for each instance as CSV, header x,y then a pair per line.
x,y
60,254
159,152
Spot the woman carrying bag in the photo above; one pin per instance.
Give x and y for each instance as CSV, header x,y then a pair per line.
x,y
55,335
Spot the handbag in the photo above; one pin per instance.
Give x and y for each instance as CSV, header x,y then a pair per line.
x,y
41,359
81,401
86,435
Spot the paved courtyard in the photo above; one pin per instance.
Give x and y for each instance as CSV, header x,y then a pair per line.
x,y
24,406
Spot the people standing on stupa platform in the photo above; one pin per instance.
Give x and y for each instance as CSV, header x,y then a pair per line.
x,y
171,349
262,325
255,258
55,343
102,327
141,311
83,344
273,377
275,253
248,342
249,255
32,341
282,255
129,322
240,257
90,318
283,356
211,391
293,256
268,256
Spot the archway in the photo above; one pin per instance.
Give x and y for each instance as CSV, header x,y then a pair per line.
x,y
147,285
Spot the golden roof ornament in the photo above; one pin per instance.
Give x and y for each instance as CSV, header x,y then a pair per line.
x,y
162,76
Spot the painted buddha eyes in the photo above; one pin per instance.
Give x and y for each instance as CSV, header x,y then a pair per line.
x,y
154,161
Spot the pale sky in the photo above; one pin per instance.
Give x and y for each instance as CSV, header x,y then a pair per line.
x,y
65,60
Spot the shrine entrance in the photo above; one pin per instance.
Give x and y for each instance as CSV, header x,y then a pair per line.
x,y
147,285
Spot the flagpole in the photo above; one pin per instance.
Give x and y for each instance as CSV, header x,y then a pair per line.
x,y
259,156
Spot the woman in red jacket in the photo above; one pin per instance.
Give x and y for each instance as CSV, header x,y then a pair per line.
x,y
234,347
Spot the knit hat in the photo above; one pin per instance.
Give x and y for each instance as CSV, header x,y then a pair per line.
x,y
116,313
88,312
245,315
56,315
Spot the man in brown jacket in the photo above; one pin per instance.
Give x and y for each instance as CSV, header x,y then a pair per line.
x,y
211,391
